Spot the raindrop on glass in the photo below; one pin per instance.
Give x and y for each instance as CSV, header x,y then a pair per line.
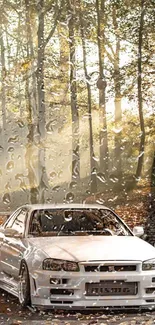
x,y
56,188
69,197
53,174
73,184
20,123
10,149
6,198
10,165
49,126
101,177
13,139
68,217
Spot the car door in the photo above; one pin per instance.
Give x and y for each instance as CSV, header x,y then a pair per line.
x,y
12,248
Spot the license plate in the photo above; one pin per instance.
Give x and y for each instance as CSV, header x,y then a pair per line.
x,y
111,288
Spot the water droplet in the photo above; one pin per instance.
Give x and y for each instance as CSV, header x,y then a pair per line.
x,y
10,149
93,171
56,188
19,176
73,184
13,139
8,187
10,165
141,154
1,149
75,168
117,130
60,174
69,197
100,201
6,198
113,178
49,126
23,185
95,158
0,172
49,200
20,123
53,174
68,217
101,177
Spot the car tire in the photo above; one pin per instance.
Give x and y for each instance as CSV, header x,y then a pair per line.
x,y
24,286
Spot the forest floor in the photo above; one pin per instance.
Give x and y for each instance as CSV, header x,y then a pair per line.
x,y
133,208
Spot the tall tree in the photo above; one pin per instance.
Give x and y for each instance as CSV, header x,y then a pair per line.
x,y
73,92
139,84
101,84
31,108
91,142
3,75
43,180
117,89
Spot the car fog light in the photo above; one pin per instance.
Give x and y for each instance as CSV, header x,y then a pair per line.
x,y
55,281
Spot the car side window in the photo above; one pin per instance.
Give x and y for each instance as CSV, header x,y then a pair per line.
x,y
11,220
19,222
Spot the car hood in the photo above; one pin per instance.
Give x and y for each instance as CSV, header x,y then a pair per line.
x,y
95,248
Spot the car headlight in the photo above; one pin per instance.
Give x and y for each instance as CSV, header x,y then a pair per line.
x,y
148,265
60,265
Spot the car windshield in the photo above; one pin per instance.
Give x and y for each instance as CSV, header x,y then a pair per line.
x,y
76,223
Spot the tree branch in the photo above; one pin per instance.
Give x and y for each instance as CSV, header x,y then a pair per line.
x,y
55,24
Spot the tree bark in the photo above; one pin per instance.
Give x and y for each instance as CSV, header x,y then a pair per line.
x,y
150,222
140,99
43,180
93,186
31,108
104,152
3,92
74,104
118,108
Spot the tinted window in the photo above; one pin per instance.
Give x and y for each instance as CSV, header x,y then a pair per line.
x,y
11,219
76,222
19,222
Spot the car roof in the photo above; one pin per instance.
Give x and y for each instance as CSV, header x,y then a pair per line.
x,y
64,206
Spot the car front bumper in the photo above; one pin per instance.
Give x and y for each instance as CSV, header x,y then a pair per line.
x,y
67,290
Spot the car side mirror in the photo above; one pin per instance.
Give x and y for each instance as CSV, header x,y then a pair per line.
x,y
138,231
9,232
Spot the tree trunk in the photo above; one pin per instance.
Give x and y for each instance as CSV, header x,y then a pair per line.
x,y
43,180
74,104
3,92
150,222
101,84
31,109
63,66
153,172
91,144
140,99
118,108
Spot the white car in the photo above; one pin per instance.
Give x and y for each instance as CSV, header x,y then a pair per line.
x,y
75,256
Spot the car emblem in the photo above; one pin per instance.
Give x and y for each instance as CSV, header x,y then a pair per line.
x,y
111,268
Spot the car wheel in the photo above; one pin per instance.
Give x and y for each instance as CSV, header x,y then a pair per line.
x,y
24,286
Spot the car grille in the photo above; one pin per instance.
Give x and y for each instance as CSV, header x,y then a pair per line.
x,y
110,268
111,288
